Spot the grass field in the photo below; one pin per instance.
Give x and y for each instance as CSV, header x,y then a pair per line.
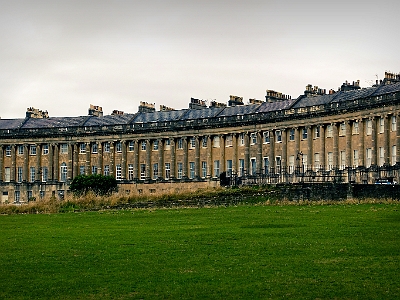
x,y
243,252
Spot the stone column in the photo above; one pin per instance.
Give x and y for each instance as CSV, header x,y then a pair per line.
x,y
51,162
25,176
247,153
222,153
136,160
272,150
148,159
374,139
386,139
361,145
398,139
70,161
161,168
209,157
197,158
297,145
335,145
185,158
259,153
1,162
112,159
348,143
322,146
284,149
75,148
56,166
173,158
88,170
100,158
310,152
38,162
123,160
235,151
14,163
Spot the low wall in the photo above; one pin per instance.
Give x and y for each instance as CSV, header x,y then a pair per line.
x,y
337,191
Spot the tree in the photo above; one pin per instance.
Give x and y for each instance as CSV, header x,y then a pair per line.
x,y
98,184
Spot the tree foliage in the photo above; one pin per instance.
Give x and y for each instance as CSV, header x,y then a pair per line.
x,y
96,183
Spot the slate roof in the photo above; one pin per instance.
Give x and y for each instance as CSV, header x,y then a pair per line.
x,y
159,116
192,114
238,110
57,122
204,113
109,120
274,106
11,123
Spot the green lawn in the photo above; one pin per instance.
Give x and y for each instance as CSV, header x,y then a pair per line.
x,y
244,252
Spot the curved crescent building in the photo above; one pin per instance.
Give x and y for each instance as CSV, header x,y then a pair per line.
x,y
152,151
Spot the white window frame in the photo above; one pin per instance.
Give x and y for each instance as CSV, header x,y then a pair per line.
x,y
155,145
63,172
216,168
355,128
394,123
107,147
355,158
278,134
191,169
142,171
64,148
130,172
266,138
45,149
155,171
203,169
228,141
167,171
216,142
393,156
82,148
118,147
369,127
180,170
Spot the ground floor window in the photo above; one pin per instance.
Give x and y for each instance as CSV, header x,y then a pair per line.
x,y
118,172
216,168
130,171
155,171
191,170
241,167
180,170
203,169
142,171
167,170
63,172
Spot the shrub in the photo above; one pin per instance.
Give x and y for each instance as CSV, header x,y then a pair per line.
x,y
96,183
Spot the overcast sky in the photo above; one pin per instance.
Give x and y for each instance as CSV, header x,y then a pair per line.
x,y
62,56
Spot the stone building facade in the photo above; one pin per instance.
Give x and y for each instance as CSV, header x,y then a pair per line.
x,y
169,150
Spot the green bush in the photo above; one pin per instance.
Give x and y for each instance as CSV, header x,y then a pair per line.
x,y
96,183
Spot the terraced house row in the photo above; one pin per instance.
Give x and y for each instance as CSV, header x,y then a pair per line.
x,y
156,151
